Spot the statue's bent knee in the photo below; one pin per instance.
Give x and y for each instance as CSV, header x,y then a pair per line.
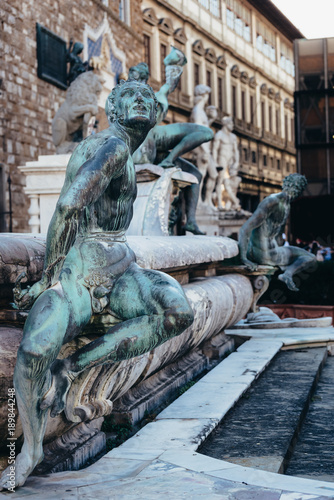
x,y
179,319
32,360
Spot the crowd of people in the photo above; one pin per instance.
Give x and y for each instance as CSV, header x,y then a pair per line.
x,y
321,251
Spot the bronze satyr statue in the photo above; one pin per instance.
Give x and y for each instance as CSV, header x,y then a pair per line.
x,y
166,143
89,268
257,237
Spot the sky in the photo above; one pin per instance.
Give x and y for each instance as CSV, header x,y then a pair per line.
x,y
314,18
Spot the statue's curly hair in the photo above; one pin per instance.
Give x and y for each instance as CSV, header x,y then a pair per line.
x,y
297,180
110,107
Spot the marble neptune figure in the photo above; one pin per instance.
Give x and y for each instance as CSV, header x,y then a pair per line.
x,y
204,159
257,237
89,268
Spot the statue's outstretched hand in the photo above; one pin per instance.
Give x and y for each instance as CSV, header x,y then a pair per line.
x,y
251,266
24,299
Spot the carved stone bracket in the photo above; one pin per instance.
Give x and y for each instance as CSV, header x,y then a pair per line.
x,y
264,89
260,286
235,71
271,93
210,55
166,26
180,36
198,47
252,82
244,78
150,16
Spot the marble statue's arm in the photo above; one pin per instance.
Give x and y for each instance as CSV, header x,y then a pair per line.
x,y
256,220
88,184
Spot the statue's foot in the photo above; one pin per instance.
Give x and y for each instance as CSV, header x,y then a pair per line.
x,y
16,475
289,282
55,397
192,227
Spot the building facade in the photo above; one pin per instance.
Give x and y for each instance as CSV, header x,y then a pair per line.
x,y
314,98
241,49
244,52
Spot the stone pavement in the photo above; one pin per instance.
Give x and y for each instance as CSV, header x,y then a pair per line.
x,y
162,460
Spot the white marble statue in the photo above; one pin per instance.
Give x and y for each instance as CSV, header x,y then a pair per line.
x,y
203,115
226,155
70,124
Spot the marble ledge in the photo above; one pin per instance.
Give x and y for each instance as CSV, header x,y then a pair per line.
x,y
23,251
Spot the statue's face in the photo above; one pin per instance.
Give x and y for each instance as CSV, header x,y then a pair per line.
x,y
293,191
135,106
230,125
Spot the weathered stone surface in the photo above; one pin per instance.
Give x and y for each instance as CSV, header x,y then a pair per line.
x,y
265,422
23,252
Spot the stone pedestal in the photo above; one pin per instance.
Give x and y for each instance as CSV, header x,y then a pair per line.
x,y
221,222
44,181
230,221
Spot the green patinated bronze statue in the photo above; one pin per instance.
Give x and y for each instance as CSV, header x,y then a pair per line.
x,y
166,143
257,237
89,268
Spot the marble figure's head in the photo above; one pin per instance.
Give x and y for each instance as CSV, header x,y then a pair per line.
x,y
227,121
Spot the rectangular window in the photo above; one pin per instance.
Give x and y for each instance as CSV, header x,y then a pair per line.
x,y
286,60
121,10
263,116
252,109
272,162
163,54
253,156
147,51
196,74
51,57
264,160
278,163
292,133
212,5
286,127
270,118
208,82
265,41
245,151
220,93
243,105
288,167
238,18
278,122
234,101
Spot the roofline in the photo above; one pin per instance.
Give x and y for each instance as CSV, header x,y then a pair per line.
x,y
277,18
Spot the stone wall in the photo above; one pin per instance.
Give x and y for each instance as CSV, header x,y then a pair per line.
x,y
27,103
